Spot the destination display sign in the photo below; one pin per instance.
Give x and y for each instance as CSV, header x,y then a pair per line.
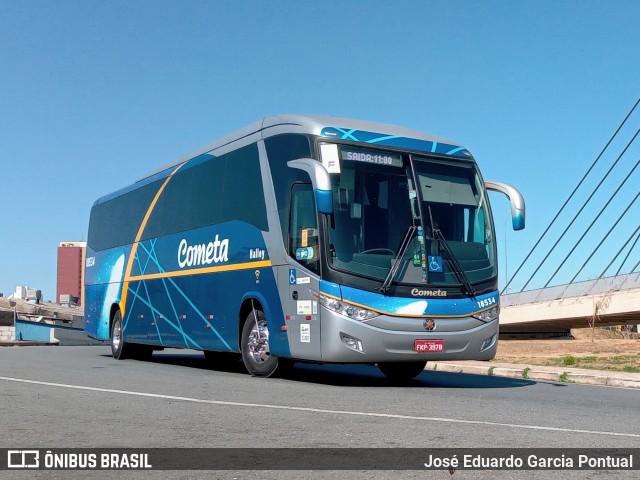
x,y
376,157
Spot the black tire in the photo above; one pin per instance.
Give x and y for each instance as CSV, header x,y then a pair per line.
x,y
402,370
119,348
255,346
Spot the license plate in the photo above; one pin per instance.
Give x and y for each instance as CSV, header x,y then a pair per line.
x,y
428,345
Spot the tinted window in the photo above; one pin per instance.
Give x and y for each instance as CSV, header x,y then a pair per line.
x,y
303,234
116,221
281,149
212,190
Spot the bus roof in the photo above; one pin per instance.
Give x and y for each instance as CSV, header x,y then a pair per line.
x,y
309,124
320,125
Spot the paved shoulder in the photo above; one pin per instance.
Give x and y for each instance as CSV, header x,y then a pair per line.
x,y
534,372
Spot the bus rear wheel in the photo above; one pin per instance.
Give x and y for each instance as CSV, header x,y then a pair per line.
x,y
122,350
119,348
255,346
402,370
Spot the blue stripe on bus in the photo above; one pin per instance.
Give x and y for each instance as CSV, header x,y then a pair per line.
x,y
172,307
330,288
418,306
395,141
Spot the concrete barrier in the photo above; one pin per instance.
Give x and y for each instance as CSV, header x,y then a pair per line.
x,y
7,333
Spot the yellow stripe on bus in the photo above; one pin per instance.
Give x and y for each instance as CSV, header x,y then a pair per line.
x,y
134,247
201,271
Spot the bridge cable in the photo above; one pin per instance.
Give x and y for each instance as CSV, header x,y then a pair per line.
x,y
593,222
607,236
635,266
584,205
627,257
570,196
620,251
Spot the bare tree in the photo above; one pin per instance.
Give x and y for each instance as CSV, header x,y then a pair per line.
x,y
599,307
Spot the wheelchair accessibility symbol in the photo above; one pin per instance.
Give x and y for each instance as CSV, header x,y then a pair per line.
x,y
435,263
292,276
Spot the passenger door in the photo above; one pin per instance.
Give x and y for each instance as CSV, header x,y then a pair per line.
x,y
302,275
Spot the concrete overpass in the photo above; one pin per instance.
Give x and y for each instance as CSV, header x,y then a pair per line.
x,y
611,301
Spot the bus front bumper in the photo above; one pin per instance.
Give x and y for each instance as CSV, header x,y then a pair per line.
x,y
350,341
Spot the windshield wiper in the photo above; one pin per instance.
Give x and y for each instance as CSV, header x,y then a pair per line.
x,y
396,263
453,260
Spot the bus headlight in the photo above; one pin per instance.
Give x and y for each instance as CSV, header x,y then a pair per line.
x,y
488,315
346,309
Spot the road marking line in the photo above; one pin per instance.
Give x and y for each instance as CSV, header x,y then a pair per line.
x,y
320,410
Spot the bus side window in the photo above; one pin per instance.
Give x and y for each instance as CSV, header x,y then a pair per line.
x,y
303,227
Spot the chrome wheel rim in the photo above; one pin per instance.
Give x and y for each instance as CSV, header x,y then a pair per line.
x,y
258,342
116,337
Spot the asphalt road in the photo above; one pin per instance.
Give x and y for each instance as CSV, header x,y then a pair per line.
x,y
54,397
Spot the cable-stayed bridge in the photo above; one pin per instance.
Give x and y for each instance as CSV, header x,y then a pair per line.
x,y
600,211
605,301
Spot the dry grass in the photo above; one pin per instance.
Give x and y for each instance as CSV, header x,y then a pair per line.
x,y
605,350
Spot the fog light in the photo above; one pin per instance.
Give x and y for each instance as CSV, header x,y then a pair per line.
x,y
352,342
487,343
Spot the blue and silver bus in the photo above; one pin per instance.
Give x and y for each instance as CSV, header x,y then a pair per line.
x,y
302,238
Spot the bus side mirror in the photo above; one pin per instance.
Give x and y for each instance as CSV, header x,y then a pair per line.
x,y
516,199
319,179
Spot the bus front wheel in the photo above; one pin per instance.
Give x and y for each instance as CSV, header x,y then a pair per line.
x,y
402,370
255,346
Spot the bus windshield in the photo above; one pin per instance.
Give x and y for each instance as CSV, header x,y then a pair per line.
x,y
381,198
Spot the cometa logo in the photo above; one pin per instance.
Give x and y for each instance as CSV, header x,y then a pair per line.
x,y
416,292
204,253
